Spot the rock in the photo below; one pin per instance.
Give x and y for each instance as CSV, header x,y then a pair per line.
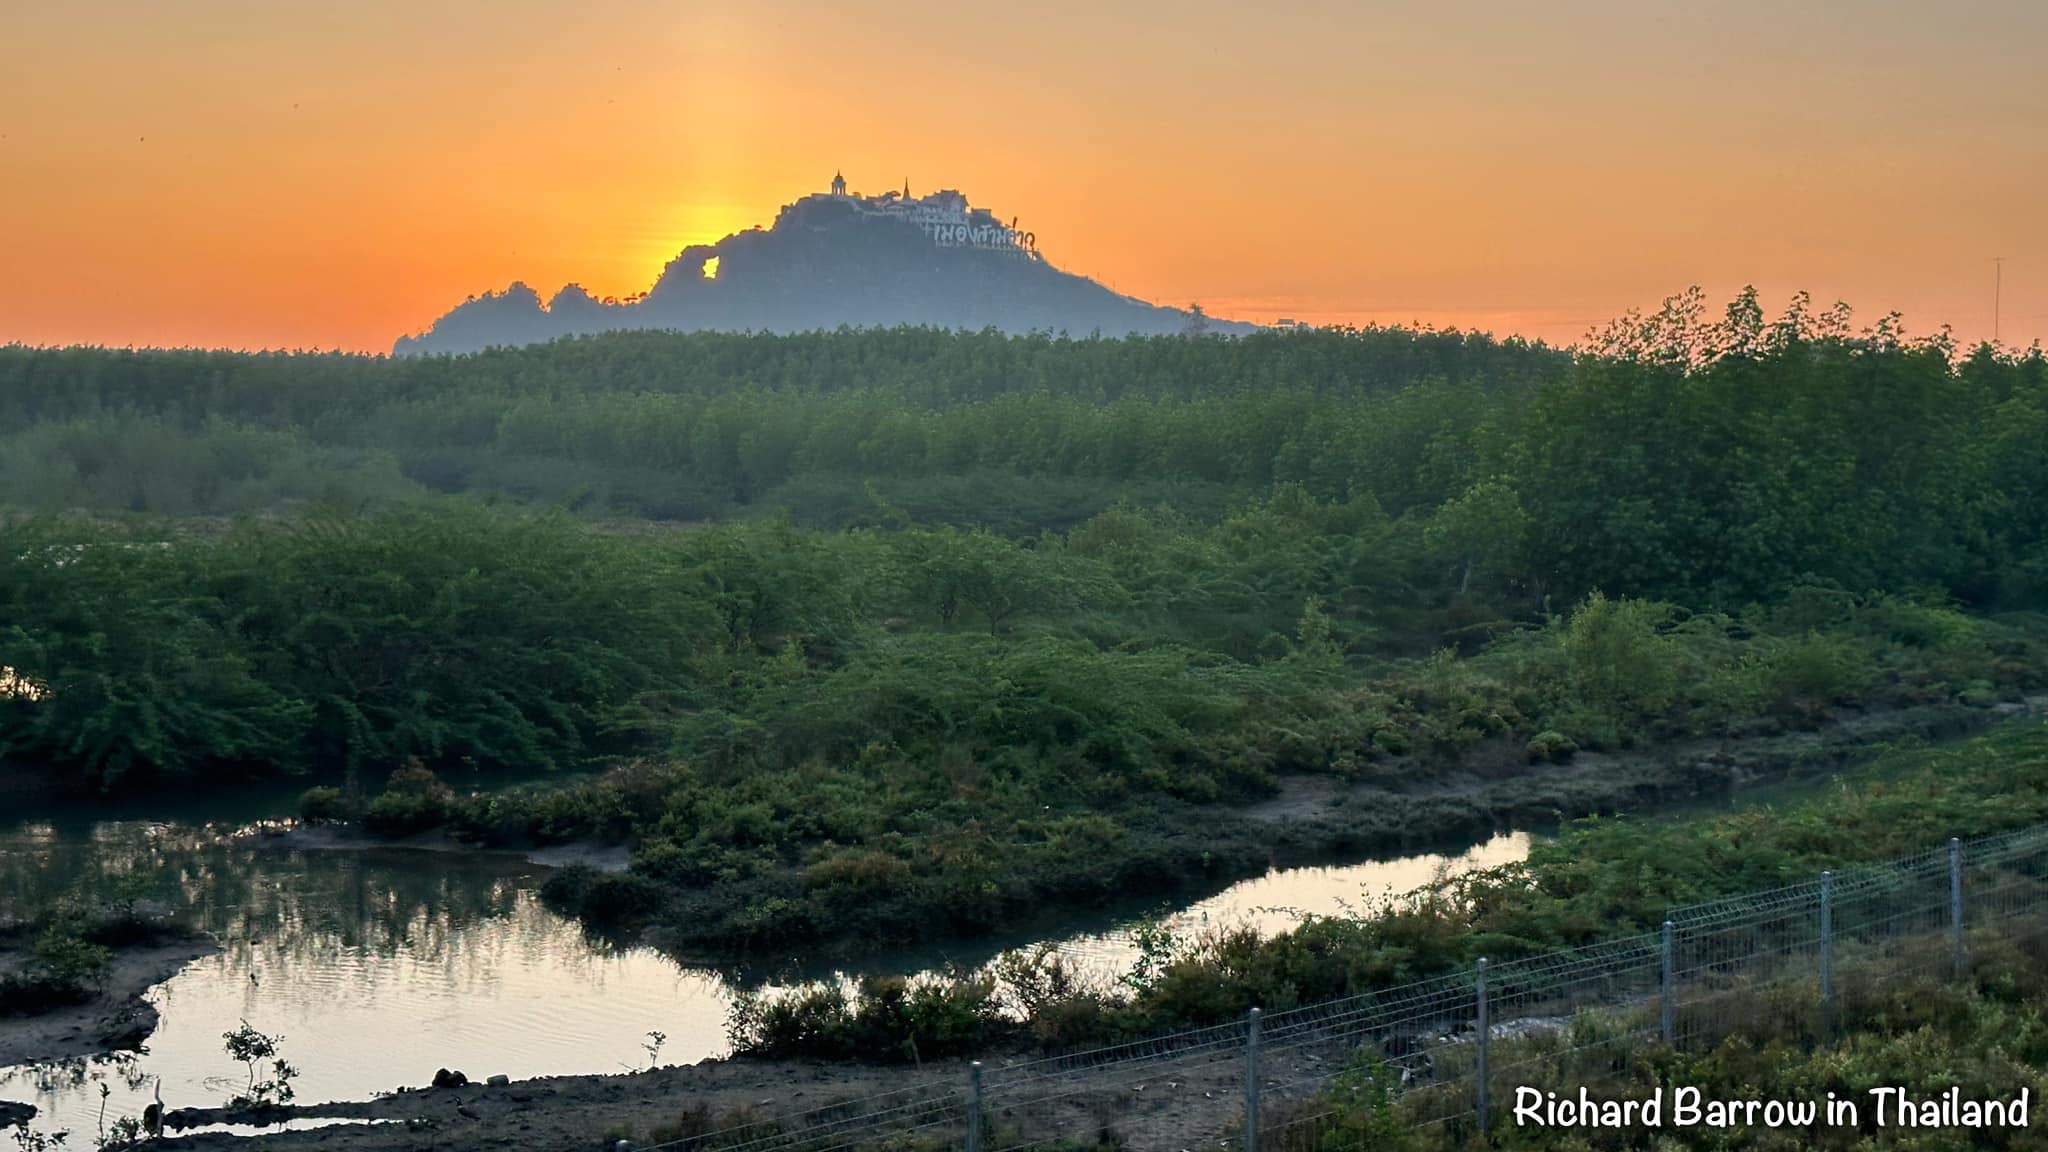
x,y
499,1081
443,1078
1534,1026
12,1113
127,1029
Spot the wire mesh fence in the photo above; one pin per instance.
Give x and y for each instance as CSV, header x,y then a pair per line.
x,y
1800,960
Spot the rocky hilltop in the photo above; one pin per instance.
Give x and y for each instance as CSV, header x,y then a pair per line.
x,y
830,260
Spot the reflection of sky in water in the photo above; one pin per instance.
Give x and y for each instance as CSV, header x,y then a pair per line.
x,y
520,994
1278,900
376,968
379,967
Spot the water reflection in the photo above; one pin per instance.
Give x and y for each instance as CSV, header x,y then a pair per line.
x,y
301,906
377,967
305,1124
1279,900
13,684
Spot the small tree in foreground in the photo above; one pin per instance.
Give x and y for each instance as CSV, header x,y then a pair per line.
x,y
253,1049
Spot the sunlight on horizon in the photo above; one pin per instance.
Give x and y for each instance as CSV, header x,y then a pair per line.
x,y
233,178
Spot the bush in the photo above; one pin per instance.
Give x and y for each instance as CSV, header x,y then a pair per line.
x,y
1802,677
321,805
1551,747
1620,664
403,814
257,1053
607,901
413,800
66,956
858,873
886,1019
64,968
617,899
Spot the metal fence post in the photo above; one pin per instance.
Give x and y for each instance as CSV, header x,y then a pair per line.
x,y
1480,981
974,1107
1251,1081
1666,989
1955,903
1827,953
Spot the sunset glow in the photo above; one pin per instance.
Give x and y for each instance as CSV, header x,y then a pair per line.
x,y
249,174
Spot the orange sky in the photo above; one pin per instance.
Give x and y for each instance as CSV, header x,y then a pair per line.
x,y
271,173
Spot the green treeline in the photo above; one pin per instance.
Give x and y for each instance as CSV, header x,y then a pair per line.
x,y
963,625
688,427
1720,460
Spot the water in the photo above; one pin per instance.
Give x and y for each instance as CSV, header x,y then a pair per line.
x,y
1280,899
299,1124
377,967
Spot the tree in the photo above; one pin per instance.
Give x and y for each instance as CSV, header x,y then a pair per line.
x,y
978,571
254,1049
1478,533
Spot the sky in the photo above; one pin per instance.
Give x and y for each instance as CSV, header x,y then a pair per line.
x,y
288,174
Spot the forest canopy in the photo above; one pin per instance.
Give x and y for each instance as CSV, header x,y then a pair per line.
x,y
918,624
1678,457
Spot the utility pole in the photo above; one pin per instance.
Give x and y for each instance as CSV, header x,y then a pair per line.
x,y
1997,293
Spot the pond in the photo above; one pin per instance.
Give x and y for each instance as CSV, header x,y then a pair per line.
x,y
379,966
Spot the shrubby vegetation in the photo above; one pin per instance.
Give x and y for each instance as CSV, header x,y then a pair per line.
x,y
976,625
59,954
1917,1032
258,1055
1914,1030
1598,879
62,967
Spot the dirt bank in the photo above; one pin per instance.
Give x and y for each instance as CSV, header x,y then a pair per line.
x,y
117,1018
1313,816
345,838
570,1111
1172,1104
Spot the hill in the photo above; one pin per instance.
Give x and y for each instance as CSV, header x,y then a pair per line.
x,y
829,261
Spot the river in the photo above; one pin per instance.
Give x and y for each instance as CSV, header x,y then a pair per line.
x,y
379,966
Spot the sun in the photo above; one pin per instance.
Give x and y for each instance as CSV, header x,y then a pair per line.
x,y
686,224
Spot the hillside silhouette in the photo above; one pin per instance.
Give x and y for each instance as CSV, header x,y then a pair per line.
x,y
829,260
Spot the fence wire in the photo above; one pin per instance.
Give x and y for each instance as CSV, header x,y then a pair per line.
x,y
1798,959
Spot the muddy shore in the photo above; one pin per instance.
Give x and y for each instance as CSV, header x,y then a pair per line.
x,y
117,1018
1191,1104
1315,819
348,838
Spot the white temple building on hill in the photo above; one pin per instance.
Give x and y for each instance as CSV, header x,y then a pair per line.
x,y
944,216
